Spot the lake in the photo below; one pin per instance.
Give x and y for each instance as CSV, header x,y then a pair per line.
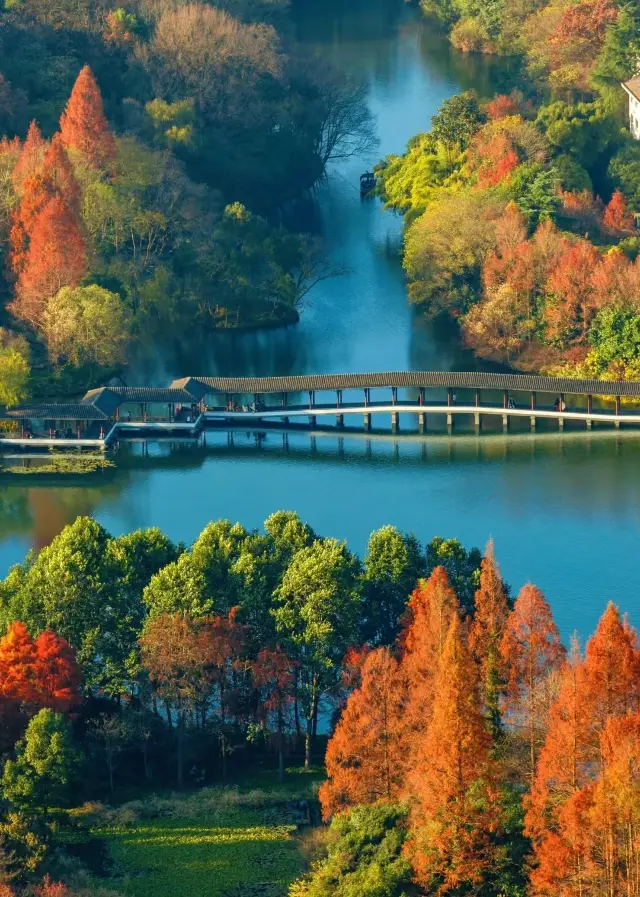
x,y
563,509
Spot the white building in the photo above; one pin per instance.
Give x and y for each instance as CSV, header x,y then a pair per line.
x,y
633,89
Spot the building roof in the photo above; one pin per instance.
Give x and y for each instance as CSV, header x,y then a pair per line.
x,y
53,411
416,379
100,404
633,87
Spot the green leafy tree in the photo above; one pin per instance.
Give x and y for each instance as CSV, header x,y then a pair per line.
x,y
614,337
14,376
585,131
42,775
287,534
392,566
457,120
87,326
462,566
618,59
72,588
136,558
364,856
624,172
534,188
316,610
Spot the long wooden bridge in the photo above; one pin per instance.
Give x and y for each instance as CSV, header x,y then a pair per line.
x,y
115,413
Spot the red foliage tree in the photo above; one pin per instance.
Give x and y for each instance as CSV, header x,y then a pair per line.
x,y
36,193
83,125
452,781
611,827
501,106
365,759
56,257
617,217
498,158
57,674
578,37
532,653
18,658
274,676
431,608
59,175
30,158
572,305
487,629
592,693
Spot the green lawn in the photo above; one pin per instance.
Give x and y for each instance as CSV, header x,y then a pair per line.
x,y
172,857
204,850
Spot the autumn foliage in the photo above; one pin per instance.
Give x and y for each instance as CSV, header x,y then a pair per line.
x,y
35,673
56,257
469,707
365,759
83,125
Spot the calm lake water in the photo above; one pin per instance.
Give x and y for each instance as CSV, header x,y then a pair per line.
x,y
563,510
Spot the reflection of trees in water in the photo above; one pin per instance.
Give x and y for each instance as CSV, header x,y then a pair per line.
x,y
594,474
41,512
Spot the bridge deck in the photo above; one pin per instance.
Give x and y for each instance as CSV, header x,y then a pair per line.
x,y
415,408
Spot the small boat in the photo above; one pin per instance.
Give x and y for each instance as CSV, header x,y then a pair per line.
x,y
367,183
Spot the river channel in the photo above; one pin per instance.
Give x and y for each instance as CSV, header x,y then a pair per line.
x,y
563,509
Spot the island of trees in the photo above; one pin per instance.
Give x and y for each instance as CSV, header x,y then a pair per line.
x,y
519,210
145,154
469,751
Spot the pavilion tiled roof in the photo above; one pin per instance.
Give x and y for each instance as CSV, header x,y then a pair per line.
x,y
416,379
55,411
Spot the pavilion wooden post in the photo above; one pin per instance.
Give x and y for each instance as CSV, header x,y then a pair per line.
x,y
367,415
617,422
285,399
339,417
589,411
394,395
312,402
422,417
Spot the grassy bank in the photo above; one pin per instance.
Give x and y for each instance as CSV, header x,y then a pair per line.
x,y
218,842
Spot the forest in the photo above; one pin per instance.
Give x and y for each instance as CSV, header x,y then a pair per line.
x,y
466,749
538,185
147,154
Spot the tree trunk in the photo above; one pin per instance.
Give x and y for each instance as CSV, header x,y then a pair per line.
x,y
145,760
307,743
296,709
110,766
169,720
223,752
280,745
180,758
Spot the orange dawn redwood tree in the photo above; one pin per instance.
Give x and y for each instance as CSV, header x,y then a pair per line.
x,y
487,630
365,759
452,783
56,257
83,125
431,608
593,691
30,158
532,653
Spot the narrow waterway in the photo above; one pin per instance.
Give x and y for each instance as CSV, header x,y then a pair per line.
x,y
563,510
